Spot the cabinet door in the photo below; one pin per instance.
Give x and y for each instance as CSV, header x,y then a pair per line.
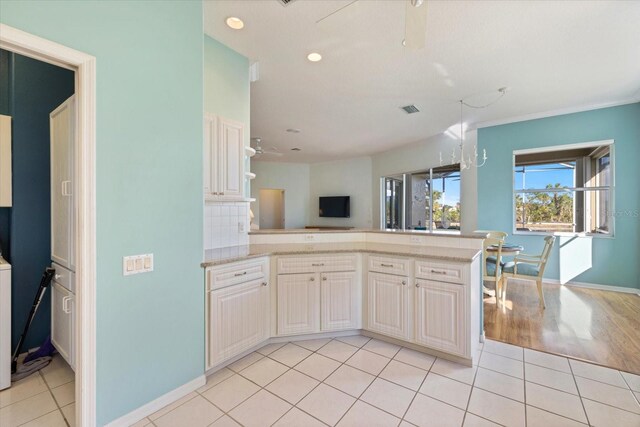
x,y
62,322
237,319
210,155
62,131
231,149
440,316
388,304
340,302
298,304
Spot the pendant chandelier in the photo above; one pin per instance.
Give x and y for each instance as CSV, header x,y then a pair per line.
x,y
458,156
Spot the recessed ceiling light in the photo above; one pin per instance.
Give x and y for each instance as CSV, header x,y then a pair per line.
x,y
235,23
293,130
314,57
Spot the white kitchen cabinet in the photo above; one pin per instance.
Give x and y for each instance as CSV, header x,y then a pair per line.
x,y
340,301
440,316
238,319
62,133
298,297
224,157
388,305
63,322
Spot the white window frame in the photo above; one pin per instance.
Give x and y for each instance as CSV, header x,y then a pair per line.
x,y
579,145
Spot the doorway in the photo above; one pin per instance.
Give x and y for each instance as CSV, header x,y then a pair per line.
x,y
271,208
83,169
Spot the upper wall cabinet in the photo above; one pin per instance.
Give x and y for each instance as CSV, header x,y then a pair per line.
x,y
5,161
223,158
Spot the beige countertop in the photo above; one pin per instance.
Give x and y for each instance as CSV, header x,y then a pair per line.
x,y
238,253
368,230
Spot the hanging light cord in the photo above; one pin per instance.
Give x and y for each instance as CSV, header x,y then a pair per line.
x,y
502,90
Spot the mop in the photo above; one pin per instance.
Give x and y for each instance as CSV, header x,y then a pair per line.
x,y
40,358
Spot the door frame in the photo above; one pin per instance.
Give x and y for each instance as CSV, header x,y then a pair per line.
x,y
84,65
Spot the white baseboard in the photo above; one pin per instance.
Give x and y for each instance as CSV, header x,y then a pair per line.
x,y
597,286
155,405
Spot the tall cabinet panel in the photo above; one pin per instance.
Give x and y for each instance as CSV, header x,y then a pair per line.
x,y
62,122
62,127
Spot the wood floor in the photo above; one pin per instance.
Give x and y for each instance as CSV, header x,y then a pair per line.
x,y
597,326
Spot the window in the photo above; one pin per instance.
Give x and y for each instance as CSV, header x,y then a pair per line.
x,y
427,200
564,190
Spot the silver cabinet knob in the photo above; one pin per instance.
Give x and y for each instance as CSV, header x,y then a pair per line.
x,y
324,278
417,285
313,279
404,283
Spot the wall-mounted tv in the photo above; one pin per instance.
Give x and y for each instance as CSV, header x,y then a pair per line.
x,y
335,207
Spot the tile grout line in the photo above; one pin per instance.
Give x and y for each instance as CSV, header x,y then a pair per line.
x,y
579,395
473,386
524,383
367,388
54,397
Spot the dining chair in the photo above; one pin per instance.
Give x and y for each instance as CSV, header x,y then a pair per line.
x,y
492,261
528,267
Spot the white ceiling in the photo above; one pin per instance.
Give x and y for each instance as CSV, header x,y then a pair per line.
x,y
552,55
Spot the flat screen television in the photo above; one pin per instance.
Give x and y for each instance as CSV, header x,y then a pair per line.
x,y
335,207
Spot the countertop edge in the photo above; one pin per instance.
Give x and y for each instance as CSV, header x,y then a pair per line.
x,y
206,264
355,230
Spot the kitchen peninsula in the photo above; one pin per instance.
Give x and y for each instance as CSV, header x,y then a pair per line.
x,y
420,290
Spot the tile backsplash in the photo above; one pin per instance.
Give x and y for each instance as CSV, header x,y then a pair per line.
x,y
226,224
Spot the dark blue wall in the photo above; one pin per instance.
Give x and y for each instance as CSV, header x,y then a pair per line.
x,y
35,89
6,61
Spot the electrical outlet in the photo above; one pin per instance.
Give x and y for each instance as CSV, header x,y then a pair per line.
x,y
309,237
135,264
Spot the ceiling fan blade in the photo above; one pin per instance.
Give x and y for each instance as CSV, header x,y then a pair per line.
x,y
415,24
272,153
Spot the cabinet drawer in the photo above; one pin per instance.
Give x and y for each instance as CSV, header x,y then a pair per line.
x,y
64,277
388,265
239,272
440,271
290,265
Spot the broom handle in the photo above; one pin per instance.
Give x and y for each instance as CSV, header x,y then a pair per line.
x,y
44,283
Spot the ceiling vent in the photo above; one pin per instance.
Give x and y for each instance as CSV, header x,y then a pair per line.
x,y
285,2
410,109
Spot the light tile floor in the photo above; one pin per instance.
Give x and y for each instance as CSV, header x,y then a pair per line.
x,y
44,399
358,382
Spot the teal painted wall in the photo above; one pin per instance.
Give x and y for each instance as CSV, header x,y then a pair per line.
x,y
226,82
615,260
35,89
150,327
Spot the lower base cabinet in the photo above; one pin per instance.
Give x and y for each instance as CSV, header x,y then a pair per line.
x,y
388,297
440,314
238,319
340,301
298,304
318,302
63,322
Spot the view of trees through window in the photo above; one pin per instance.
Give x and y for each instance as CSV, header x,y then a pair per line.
x,y
428,200
565,191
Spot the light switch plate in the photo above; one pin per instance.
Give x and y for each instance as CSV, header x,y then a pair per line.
x,y
135,264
